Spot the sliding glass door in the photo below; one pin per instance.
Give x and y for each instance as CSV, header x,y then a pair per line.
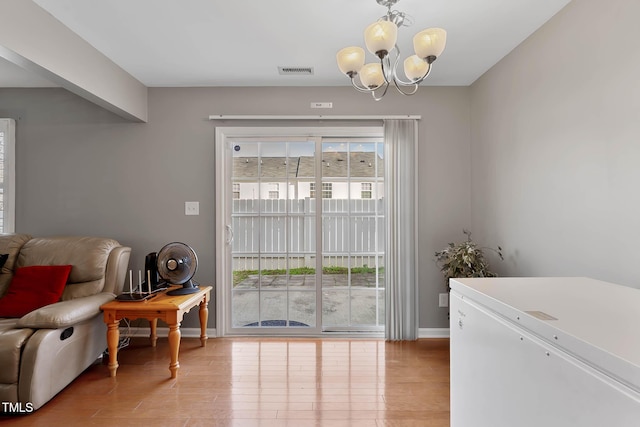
x,y
352,234
274,245
304,234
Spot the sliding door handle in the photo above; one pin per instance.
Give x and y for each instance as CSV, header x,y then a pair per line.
x,y
229,234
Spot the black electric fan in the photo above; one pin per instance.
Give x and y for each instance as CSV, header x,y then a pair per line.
x,y
177,264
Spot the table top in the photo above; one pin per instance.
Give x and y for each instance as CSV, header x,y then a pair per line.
x,y
161,301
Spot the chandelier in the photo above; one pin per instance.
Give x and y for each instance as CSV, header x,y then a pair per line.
x,y
380,39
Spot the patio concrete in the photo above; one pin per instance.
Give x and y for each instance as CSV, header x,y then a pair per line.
x,y
301,301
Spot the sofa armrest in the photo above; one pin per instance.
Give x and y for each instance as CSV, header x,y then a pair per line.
x,y
65,313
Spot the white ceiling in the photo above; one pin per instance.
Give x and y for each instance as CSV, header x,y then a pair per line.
x,y
242,42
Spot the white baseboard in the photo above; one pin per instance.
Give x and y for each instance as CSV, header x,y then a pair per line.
x,y
433,333
212,333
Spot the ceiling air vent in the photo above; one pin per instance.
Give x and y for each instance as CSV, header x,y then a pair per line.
x,y
295,71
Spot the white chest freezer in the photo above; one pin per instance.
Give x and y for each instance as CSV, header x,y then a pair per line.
x,y
544,352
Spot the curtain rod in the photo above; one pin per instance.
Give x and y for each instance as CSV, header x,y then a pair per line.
x,y
301,117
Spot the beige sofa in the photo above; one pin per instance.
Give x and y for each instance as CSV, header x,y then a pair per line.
x,y
46,349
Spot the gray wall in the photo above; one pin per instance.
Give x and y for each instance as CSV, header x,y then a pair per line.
x,y
83,170
556,147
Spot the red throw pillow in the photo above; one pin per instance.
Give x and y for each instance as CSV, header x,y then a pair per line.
x,y
34,287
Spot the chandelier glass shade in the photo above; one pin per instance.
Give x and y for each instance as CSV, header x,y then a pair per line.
x,y
381,40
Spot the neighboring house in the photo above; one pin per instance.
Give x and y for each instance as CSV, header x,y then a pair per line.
x,y
294,177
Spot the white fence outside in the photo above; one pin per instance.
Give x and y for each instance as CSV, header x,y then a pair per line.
x,y
267,233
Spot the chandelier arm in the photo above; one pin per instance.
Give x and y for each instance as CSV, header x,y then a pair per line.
x,y
416,82
360,88
388,73
376,97
396,80
399,82
368,90
421,79
407,93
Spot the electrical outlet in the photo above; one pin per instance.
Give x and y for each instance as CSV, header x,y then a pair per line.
x,y
443,300
192,208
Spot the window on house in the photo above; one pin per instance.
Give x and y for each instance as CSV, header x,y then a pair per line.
x,y
327,190
365,190
236,191
275,193
7,174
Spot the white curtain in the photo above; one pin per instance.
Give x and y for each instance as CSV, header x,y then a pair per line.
x,y
400,142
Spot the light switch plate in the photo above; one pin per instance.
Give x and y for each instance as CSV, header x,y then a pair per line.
x,y
443,300
192,208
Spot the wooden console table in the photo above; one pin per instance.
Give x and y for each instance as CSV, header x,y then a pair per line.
x,y
168,308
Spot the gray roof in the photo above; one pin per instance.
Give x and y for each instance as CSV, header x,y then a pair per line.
x,y
334,164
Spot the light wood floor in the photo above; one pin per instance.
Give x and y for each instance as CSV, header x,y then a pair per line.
x,y
265,382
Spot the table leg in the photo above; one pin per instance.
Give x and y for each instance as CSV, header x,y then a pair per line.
x,y
153,325
204,317
174,348
113,338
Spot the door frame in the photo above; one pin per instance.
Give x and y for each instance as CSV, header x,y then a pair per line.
x,y
223,232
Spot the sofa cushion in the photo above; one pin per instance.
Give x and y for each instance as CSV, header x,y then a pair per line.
x,y
7,323
10,244
34,287
64,313
88,255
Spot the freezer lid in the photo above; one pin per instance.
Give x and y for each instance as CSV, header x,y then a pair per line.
x,y
595,321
